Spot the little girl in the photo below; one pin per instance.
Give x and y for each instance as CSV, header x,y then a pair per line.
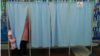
x,y
11,40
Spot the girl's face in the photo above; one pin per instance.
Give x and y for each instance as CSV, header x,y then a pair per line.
x,y
10,36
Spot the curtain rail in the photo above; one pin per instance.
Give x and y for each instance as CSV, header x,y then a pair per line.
x,y
52,1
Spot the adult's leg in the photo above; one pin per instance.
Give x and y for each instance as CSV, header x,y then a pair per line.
x,y
12,54
19,51
24,47
16,51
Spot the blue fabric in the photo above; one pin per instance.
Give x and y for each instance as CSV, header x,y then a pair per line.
x,y
17,16
60,23
80,26
40,24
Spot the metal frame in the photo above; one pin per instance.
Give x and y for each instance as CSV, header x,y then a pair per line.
x,y
29,32
92,25
8,30
69,20
50,29
50,25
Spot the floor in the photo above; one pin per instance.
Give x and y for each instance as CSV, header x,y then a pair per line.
x,y
97,50
75,51
44,52
58,52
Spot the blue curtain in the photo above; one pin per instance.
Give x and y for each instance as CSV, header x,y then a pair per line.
x,y
17,15
40,24
80,24
60,23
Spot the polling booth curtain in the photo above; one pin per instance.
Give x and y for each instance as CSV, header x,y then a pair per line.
x,y
80,24
40,24
60,23
17,12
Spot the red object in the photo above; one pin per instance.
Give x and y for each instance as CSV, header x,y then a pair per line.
x,y
25,32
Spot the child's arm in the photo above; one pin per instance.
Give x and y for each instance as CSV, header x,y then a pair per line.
x,y
12,40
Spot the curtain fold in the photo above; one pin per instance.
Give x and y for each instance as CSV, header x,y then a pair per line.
x,y
17,12
60,23
72,31
40,24
66,31
80,26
